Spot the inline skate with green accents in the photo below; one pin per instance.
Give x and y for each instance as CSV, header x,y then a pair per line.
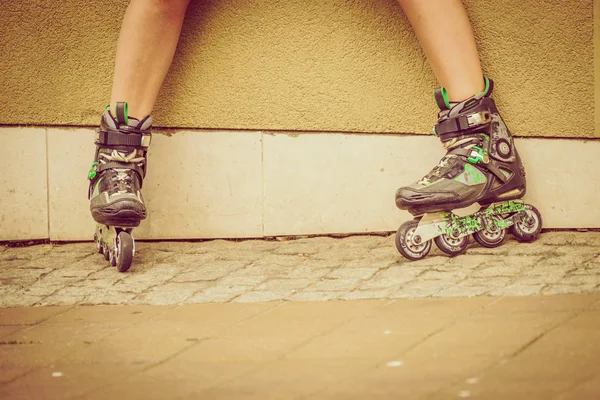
x,y
116,178
475,188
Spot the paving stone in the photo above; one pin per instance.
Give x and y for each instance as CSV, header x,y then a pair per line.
x,y
353,273
392,277
518,289
366,294
463,291
263,296
300,248
420,289
565,289
334,285
305,271
453,276
242,280
284,284
208,272
19,300
315,296
316,268
112,297
169,293
218,294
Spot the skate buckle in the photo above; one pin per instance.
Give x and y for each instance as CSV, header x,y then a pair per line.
x,y
478,155
146,139
479,118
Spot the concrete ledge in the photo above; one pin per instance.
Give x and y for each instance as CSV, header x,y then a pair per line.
x,y
23,184
210,184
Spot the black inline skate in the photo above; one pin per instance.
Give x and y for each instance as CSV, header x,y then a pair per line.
x,y
116,178
475,187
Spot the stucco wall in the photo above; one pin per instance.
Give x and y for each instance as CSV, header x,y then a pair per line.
x,y
334,65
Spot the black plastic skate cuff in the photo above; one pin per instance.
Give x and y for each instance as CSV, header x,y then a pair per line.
x,y
116,138
439,99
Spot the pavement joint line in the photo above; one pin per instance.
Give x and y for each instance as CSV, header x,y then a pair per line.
x,y
406,351
504,359
113,332
142,370
64,287
303,343
275,306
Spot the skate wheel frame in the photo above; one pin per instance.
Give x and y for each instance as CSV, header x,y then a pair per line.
x,y
451,232
116,244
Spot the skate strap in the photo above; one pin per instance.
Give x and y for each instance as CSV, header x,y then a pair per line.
x,y
461,123
116,138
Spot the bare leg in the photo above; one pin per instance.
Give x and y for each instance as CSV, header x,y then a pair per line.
x,y
147,42
444,31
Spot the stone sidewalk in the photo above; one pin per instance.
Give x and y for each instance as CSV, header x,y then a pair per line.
x,y
529,347
310,269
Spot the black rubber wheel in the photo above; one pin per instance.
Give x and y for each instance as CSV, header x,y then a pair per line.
x,y
112,259
98,245
406,245
124,251
451,246
491,236
529,224
105,252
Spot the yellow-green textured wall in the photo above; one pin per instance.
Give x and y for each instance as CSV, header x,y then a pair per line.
x,y
310,65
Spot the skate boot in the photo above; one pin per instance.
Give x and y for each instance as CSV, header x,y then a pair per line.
x,y
116,177
475,187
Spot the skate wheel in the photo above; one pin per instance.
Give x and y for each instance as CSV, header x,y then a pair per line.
x,y
529,224
112,259
406,245
124,251
106,252
491,236
452,246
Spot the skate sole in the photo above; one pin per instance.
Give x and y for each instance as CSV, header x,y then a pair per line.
x,y
120,219
420,209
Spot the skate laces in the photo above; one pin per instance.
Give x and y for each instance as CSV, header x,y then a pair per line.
x,y
444,162
120,156
122,179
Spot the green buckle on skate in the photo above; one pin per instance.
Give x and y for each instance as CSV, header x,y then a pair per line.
x,y
92,173
477,155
